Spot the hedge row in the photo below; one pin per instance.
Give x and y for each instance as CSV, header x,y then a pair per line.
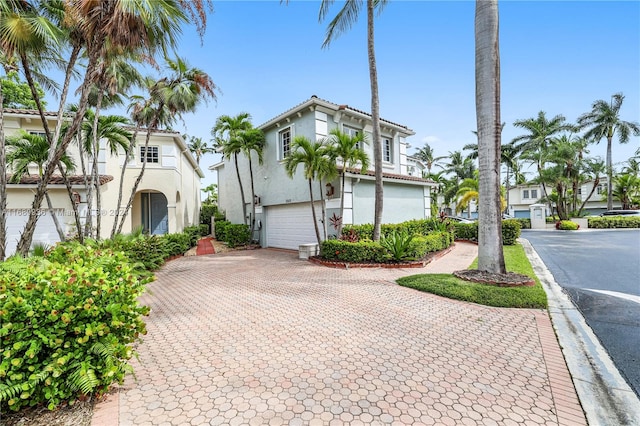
x,y
469,231
232,234
411,227
68,324
367,251
614,222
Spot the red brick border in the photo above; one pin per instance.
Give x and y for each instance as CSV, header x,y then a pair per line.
x,y
565,398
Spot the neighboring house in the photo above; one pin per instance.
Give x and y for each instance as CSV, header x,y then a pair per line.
x,y
283,213
167,199
522,196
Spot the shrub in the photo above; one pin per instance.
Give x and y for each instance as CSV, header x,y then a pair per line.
x,y
360,252
176,244
567,225
68,324
221,229
361,231
195,232
525,222
207,211
469,231
510,231
435,241
237,235
614,222
398,245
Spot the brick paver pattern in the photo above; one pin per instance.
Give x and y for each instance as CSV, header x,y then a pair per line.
x,y
261,338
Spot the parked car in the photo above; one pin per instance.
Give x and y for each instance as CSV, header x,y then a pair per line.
x,y
621,213
459,219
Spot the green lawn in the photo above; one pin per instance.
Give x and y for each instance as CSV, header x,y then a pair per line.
x,y
509,297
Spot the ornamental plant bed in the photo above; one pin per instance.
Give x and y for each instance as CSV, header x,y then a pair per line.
x,y
510,279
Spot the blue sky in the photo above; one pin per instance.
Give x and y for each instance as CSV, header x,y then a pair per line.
x,y
556,56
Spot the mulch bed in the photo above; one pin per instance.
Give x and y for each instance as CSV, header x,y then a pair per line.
x,y
510,279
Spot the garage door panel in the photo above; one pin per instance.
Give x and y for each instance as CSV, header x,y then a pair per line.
x,y
45,232
288,226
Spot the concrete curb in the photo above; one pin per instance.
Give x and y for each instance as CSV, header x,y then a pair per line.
x,y
605,396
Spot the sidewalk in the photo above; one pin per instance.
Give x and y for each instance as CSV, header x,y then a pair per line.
x,y
262,338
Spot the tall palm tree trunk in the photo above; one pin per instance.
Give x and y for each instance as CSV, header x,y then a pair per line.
x,y
96,174
341,224
123,170
56,222
490,255
313,212
324,210
609,174
134,189
244,205
375,118
3,183
55,153
253,197
74,206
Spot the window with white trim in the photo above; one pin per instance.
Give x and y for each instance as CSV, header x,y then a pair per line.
x,y
525,194
41,134
285,139
387,150
350,131
534,194
150,154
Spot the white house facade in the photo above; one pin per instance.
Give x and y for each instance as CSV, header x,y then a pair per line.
x,y
521,197
283,214
167,198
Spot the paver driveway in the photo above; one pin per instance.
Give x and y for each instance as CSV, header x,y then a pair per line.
x,y
262,338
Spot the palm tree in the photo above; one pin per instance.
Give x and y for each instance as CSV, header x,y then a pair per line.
x,y
198,147
109,128
310,155
467,192
345,148
26,149
344,20
3,183
603,121
490,254
593,169
181,92
118,24
627,190
252,140
426,154
540,132
225,133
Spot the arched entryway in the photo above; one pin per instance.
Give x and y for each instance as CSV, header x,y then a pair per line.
x,y
155,214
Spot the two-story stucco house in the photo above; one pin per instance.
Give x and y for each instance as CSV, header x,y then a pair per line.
x,y
167,199
283,213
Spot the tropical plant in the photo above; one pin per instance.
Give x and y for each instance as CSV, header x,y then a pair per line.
x,y
179,93
603,121
95,26
250,141
198,147
467,192
225,133
344,20
487,58
626,189
24,150
309,155
345,147
398,245
427,155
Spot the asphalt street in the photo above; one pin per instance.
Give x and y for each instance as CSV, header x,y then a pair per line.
x,y
600,271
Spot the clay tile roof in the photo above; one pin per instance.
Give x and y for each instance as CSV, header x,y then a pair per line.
x,y
392,176
342,107
59,180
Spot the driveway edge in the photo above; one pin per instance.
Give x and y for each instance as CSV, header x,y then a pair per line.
x,y
605,396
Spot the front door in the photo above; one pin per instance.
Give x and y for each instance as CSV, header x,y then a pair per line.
x,y
155,214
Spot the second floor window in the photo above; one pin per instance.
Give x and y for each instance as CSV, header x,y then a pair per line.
x,y
150,155
387,150
525,194
350,131
534,193
284,143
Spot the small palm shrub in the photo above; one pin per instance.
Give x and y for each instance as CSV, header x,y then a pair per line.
x,y
398,245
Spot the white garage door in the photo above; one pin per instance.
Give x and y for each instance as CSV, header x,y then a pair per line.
x,y
290,225
45,232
